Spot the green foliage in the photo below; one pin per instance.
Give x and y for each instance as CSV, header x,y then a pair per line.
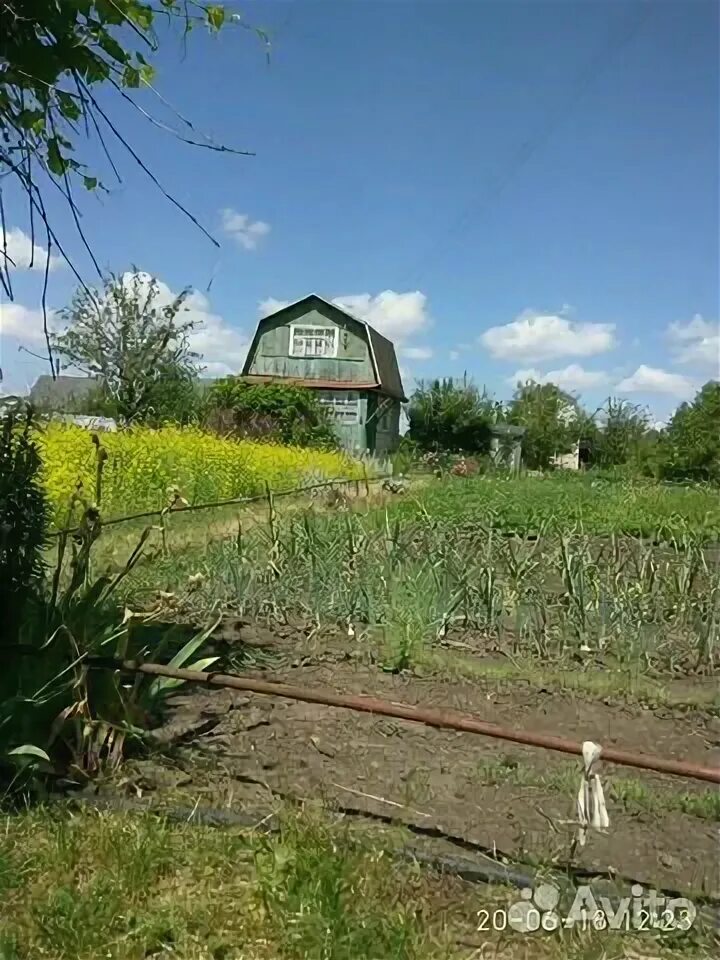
x,y
446,415
24,518
128,886
54,711
321,889
623,435
545,566
550,417
55,55
175,396
276,411
690,448
136,342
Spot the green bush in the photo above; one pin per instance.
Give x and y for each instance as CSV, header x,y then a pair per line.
x,y
690,448
275,411
445,415
24,518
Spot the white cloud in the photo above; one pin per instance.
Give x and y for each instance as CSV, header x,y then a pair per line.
x,y
416,353
397,316
654,380
697,342
222,347
538,336
246,232
23,252
23,323
692,330
454,354
271,305
572,377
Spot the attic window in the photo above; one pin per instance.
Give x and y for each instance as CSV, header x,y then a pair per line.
x,y
344,406
313,341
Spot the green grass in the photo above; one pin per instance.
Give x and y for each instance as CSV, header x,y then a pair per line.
x,y
567,502
129,887
118,886
633,795
630,684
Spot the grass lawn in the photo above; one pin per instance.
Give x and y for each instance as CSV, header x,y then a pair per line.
x,y
99,885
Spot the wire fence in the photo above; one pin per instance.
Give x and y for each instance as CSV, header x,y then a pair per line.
x,y
365,481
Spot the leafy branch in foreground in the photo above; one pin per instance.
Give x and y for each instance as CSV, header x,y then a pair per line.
x,y
54,58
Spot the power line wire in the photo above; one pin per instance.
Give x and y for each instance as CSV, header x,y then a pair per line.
x,y
617,40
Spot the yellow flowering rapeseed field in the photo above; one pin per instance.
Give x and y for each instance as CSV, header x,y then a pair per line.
x,y
142,464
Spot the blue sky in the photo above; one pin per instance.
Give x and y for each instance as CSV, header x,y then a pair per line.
x,y
504,188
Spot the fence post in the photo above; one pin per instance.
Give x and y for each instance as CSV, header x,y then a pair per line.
x,y
100,458
275,546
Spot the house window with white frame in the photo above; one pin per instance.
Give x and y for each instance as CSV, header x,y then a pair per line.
x,y
343,405
308,341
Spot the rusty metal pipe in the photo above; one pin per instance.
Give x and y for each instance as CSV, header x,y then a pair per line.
x,y
443,719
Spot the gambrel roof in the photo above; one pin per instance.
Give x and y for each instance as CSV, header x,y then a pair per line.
x,y
382,351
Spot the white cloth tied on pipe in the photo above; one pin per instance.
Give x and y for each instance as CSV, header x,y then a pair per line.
x,y
591,810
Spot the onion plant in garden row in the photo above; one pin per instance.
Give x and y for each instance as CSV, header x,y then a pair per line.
x,y
560,597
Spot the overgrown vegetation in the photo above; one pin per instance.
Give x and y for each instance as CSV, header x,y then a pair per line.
x,y
279,412
690,448
24,517
58,716
143,465
550,417
446,415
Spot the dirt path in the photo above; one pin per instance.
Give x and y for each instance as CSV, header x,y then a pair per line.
x,y
509,800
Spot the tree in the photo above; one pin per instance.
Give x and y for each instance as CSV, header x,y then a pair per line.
x,y
690,447
623,429
54,55
551,418
130,339
445,415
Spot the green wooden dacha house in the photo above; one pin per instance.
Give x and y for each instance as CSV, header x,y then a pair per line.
x,y
315,344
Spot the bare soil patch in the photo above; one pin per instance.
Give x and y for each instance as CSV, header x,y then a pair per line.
x,y
465,792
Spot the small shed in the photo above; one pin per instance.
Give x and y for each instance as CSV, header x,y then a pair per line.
x,y
506,445
353,369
